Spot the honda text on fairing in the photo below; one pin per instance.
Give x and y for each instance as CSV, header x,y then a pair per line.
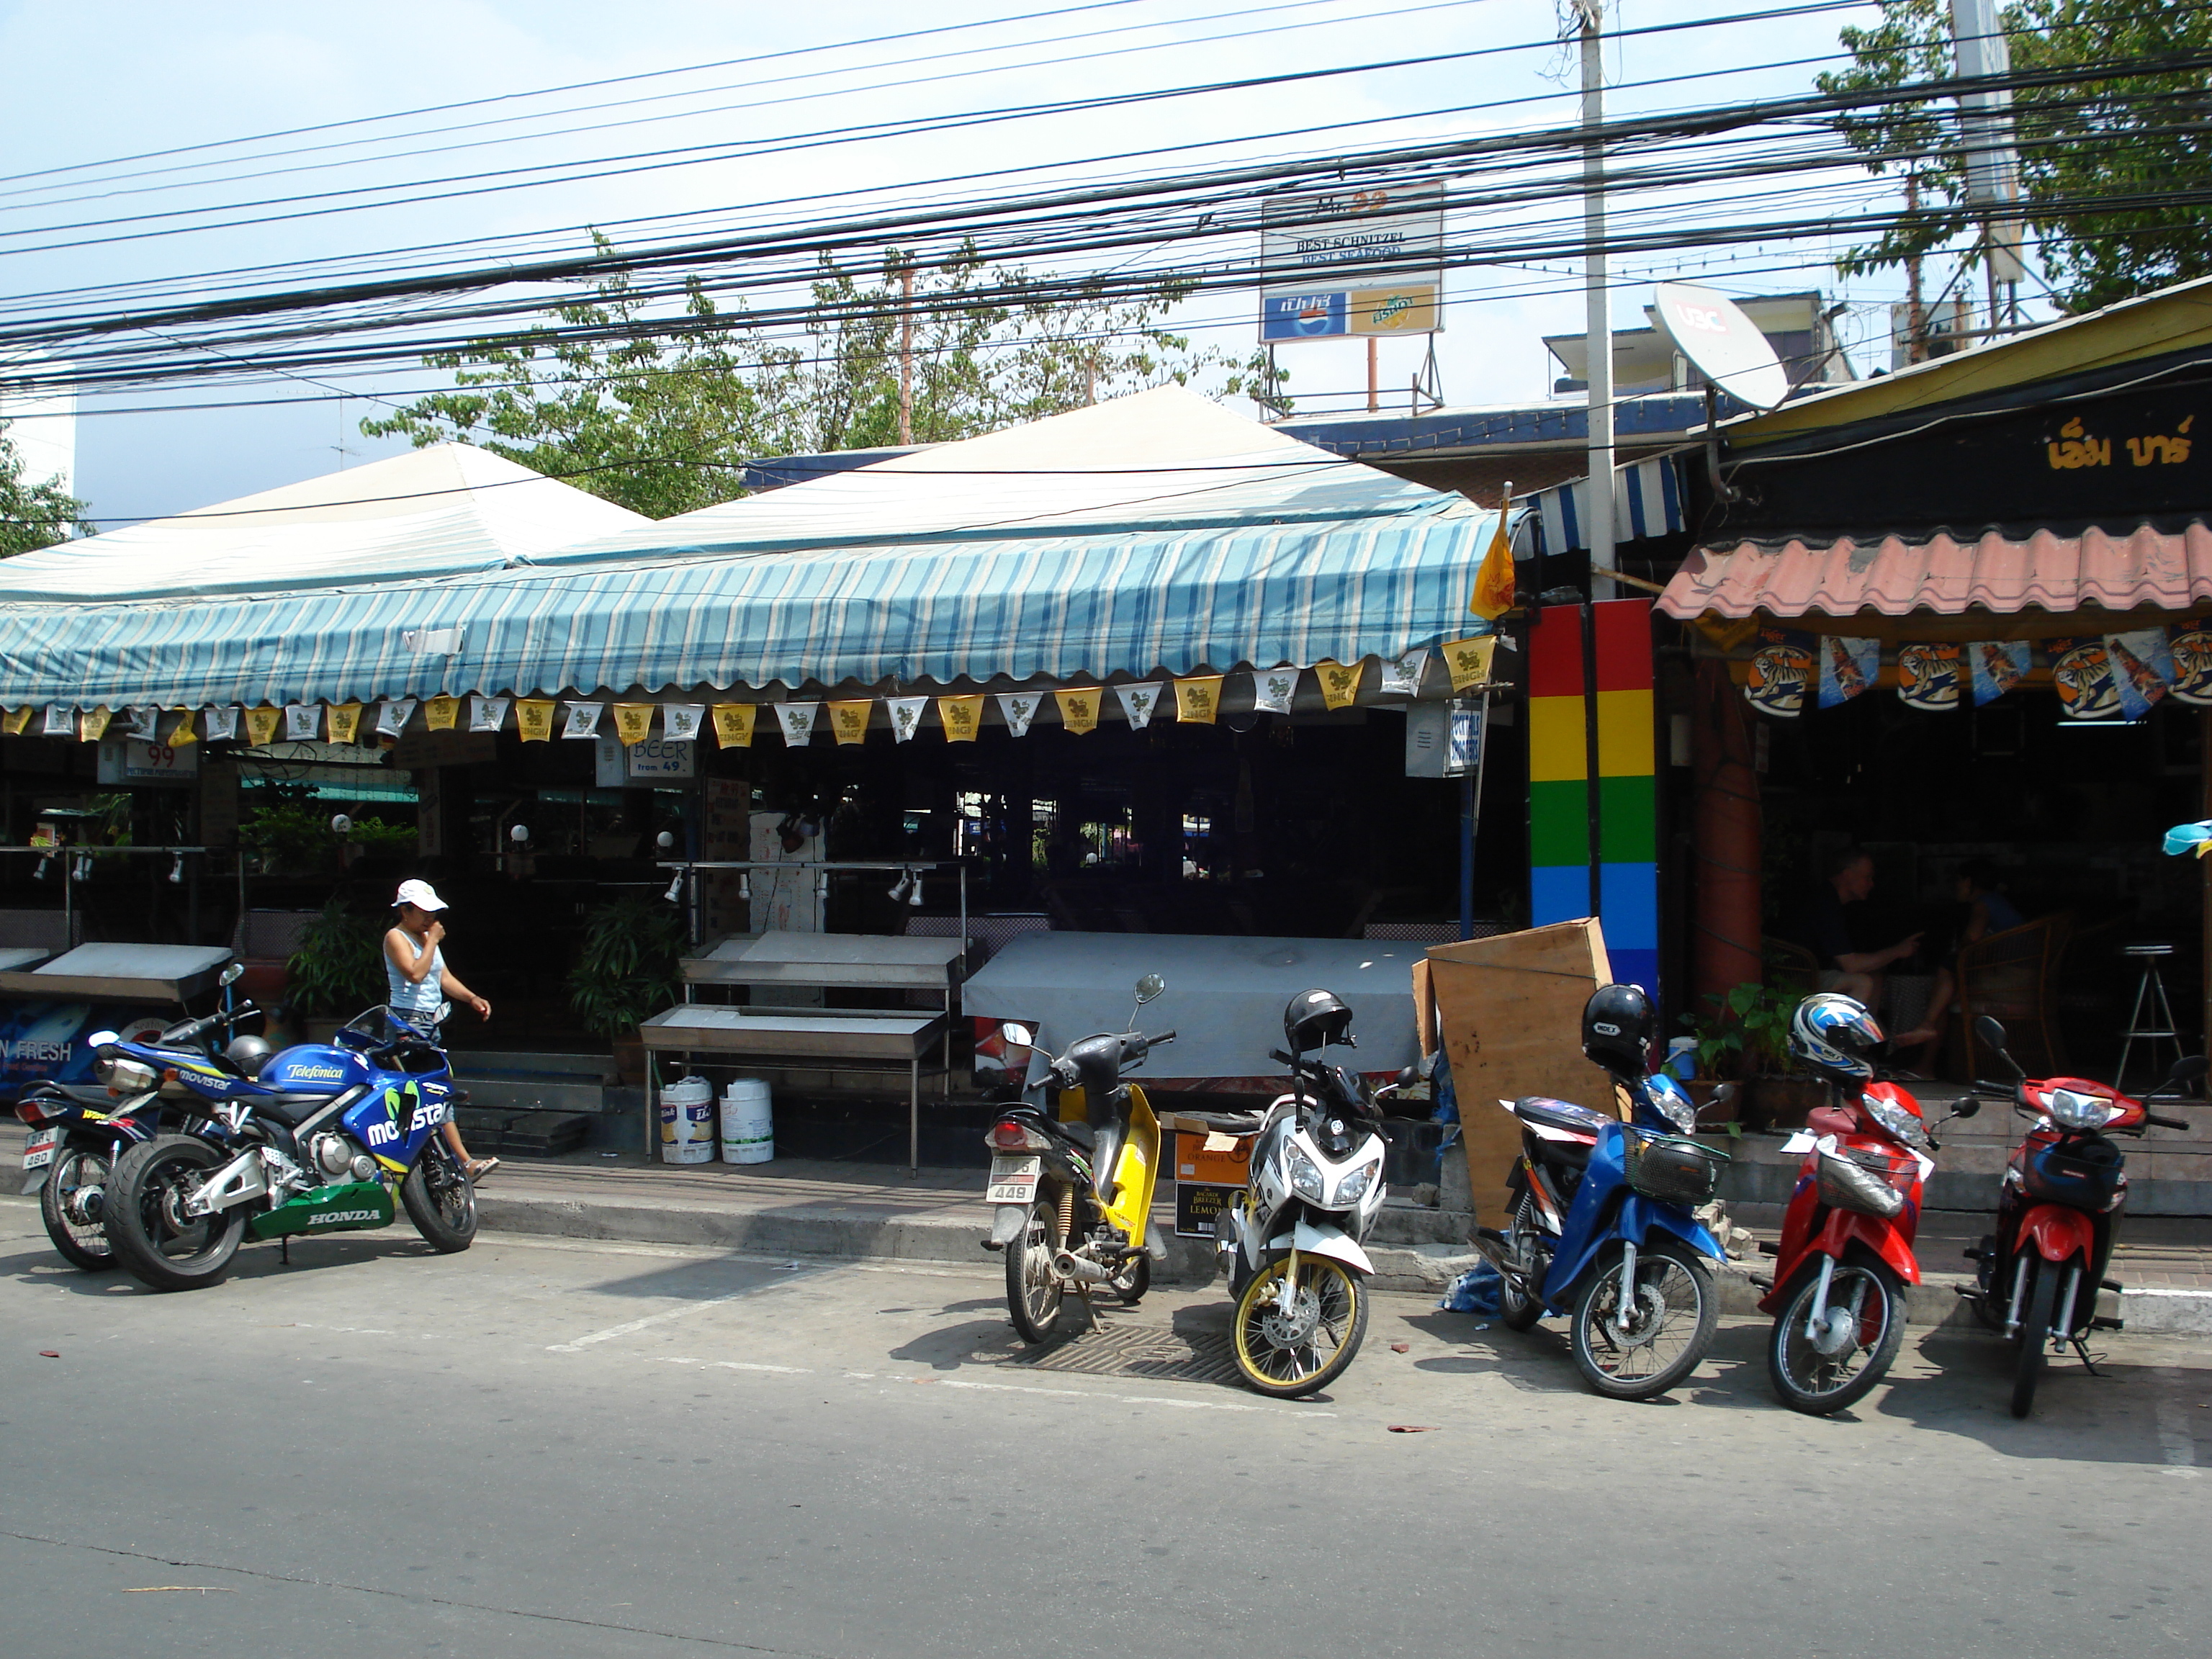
x,y
1845,1255
1294,1237
2065,1189
311,1141
78,1131
1074,1192
1601,1227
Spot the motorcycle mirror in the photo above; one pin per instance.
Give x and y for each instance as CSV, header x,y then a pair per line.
x,y
99,1040
1150,986
1968,1106
2189,1069
233,974
1409,1077
1020,1036
1990,1034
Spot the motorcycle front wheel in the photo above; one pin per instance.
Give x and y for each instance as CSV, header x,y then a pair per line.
x,y
440,1201
163,1247
1133,1281
1519,1310
1665,1331
2041,1301
1034,1292
1807,1379
77,1182
1287,1352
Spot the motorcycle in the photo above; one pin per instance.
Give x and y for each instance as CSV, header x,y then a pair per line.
x,y
1074,1197
2065,1189
312,1140
1845,1254
78,1131
1601,1226
1293,1238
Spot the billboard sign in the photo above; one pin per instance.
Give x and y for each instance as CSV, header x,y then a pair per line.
x,y
1338,262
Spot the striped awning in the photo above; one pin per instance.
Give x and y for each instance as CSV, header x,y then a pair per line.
x,y
1647,500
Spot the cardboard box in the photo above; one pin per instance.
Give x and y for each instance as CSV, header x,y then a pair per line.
x,y
1509,1010
1210,1170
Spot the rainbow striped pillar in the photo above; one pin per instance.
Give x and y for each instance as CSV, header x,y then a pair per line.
x,y
1559,849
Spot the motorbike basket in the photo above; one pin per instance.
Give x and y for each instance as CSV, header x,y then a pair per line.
x,y
1857,1180
2086,1174
1673,1169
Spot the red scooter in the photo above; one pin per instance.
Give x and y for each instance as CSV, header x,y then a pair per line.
x,y
1846,1250
2058,1211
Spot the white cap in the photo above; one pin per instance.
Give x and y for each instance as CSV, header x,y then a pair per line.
x,y
421,895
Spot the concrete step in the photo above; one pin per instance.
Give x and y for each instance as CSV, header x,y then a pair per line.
x,y
494,1062
532,1094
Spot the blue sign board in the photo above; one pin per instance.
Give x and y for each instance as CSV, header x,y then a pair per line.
x,y
1303,316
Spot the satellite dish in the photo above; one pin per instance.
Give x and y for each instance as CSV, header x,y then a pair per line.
x,y
1711,330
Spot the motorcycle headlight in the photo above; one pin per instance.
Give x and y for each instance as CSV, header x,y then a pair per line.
x,y
2070,1110
1305,1176
1354,1188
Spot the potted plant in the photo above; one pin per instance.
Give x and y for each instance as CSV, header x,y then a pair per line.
x,y
1745,1039
337,969
626,972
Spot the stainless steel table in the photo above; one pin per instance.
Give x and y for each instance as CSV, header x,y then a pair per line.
x,y
122,973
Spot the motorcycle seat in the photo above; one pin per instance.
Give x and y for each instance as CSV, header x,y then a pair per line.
x,y
1561,1116
1081,1134
291,1109
94,1094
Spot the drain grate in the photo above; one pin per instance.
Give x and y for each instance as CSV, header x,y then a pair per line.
x,y
1144,1353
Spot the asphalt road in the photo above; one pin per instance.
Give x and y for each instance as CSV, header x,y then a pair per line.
x,y
548,1448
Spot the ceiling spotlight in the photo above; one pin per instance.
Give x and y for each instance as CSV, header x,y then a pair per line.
x,y
675,888
902,886
518,833
177,871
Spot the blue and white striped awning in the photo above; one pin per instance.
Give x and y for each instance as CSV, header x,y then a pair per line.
x,y
1276,554
1647,500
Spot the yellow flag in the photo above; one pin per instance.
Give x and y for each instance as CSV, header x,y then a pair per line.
x,y
438,713
1199,698
92,725
963,717
1079,708
345,722
1339,682
533,718
1469,660
634,722
733,724
261,726
17,719
1493,582
848,719
184,733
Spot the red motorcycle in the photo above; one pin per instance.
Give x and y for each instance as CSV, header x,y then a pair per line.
x,y
2058,1209
1845,1255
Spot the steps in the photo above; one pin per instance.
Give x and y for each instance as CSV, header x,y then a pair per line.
x,y
510,1082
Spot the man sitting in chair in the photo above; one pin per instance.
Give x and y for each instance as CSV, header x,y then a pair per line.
x,y
1987,911
1847,878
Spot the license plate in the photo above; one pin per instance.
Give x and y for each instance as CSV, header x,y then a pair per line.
x,y
38,1153
1013,1179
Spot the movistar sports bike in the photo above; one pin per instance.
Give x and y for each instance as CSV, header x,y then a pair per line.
x,y
311,1141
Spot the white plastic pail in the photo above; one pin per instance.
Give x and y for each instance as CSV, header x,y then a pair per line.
x,y
748,1126
687,1122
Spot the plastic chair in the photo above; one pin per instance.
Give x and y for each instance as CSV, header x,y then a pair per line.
x,y
2013,977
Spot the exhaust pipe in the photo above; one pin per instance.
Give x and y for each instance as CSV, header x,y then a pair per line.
x,y
1074,1267
1493,1245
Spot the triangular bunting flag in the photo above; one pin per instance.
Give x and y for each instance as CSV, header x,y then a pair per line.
x,y
146,722
17,720
1274,689
1401,676
633,722
963,717
261,726
440,713
1197,699
533,719
184,733
1138,703
1468,660
1019,708
848,719
1339,682
345,722
733,724
583,720
487,714
797,720
1078,707
61,720
303,722
680,722
392,716
220,721
92,725
906,716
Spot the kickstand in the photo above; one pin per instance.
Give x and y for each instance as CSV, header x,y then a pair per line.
x,y
284,1248
2088,1360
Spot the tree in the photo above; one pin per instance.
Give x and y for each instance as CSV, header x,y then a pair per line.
x,y
2084,139
34,515
658,416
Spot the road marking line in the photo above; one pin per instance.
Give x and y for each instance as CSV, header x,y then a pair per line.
x,y
736,1365
664,1316
2174,1438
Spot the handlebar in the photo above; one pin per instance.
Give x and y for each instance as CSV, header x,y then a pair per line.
x,y
2165,1122
1163,1038
192,1030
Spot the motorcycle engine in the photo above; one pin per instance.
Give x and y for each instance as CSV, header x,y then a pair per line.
x,y
339,1158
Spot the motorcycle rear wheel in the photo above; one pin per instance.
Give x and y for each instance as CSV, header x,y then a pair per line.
x,y
2042,1300
1675,1291
1519,1310
81,1243
440,1201
1034,1292
1283,1355
163,1247
1805,1379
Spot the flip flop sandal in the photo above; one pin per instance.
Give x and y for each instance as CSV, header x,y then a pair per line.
x,y
481,1167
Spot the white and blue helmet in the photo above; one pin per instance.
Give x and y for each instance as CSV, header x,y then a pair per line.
x,y
1834,1035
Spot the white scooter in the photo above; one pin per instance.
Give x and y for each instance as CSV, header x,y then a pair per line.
x,y
1293,1237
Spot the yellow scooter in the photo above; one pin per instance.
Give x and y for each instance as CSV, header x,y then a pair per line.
x,y
1063,1227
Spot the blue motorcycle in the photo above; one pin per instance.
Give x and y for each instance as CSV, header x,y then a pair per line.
x,y
1602,1226
313,1140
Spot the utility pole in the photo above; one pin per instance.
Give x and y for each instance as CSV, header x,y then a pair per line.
x,y
1374,382
1980,49
1598,335
906,355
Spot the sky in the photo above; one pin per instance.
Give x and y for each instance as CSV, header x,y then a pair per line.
x,y
97,80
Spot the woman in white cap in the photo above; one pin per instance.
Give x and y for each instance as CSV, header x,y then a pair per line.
x,y
415,965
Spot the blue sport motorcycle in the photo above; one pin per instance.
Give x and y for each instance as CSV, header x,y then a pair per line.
x,y
313,1140
1603,1228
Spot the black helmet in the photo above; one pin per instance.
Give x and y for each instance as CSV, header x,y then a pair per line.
x,y
249,1054
1618,1026
1314,1019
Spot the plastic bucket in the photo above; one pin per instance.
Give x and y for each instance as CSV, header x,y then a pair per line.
x,y
687,1122
748,1126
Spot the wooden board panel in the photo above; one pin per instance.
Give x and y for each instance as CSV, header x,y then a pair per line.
x,y
1510,1008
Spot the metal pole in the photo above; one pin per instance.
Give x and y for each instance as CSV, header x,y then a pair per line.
x,y
1374,385
1471,824
1597,340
